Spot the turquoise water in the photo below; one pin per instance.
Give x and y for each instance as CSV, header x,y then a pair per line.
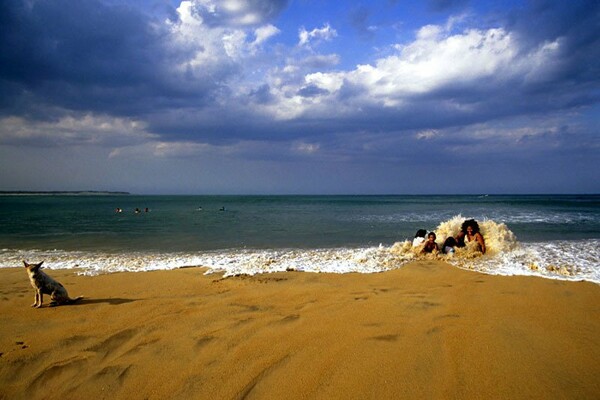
x,y
84,230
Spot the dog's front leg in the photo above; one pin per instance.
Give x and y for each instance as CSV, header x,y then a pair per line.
x,y
39,299
35,302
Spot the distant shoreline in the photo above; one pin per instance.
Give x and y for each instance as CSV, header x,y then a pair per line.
x,y
62,193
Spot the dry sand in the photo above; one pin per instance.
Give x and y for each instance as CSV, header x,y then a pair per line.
x,y
425,331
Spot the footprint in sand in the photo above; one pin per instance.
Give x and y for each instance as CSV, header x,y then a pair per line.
x,y
385,338
290,318
433,330
65,370
203,341
246,308
447,316
113,343
110,375
73,340
424,305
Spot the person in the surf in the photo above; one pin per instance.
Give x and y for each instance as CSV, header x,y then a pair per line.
x,y
449,245
430,245
469,232
419,237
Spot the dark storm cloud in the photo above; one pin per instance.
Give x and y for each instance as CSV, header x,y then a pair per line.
x,y
262,95
228,126
574,24
85,55
312,91
550,19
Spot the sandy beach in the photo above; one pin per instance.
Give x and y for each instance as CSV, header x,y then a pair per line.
x,y
427,330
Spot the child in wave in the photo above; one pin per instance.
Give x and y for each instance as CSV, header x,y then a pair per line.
x,y
430,245
419,237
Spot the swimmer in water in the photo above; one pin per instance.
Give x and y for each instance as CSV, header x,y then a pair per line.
x,y
419,237
449,245
430,244
469,231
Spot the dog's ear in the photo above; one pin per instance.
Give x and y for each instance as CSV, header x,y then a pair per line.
x,y
32,267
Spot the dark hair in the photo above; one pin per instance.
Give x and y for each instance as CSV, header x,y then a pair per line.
x,y
450,242
472,223
432,233
421,233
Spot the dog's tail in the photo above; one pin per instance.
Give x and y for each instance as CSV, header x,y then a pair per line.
x,y
75,300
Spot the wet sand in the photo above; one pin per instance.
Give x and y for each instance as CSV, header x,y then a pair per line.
x,y
427,330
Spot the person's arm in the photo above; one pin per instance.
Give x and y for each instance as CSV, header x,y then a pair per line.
x,y
481,242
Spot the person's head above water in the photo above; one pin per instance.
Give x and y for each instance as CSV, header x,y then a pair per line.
x,y
421,233
450,242
470,223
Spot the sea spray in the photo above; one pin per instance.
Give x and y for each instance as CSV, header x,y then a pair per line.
x,y
498,237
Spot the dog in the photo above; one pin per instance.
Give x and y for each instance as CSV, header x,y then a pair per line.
x,y
44,284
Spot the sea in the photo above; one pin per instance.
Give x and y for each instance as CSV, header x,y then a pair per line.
x,y
550,236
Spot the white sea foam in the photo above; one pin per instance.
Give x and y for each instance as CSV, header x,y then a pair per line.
x,y
557,260
566,260
232,262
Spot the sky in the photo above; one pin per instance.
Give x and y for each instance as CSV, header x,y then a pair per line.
x,y
300,96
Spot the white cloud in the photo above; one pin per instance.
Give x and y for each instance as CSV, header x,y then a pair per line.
x,y
162,149
306,148
205,46
427,134
331,82
179,149
263,33
234,43
318,34
239,13
518,129
212,46
436,59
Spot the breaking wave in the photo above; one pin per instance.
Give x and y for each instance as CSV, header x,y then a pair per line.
x,y
567,260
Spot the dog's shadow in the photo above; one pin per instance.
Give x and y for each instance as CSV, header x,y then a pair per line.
x,y
112,301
